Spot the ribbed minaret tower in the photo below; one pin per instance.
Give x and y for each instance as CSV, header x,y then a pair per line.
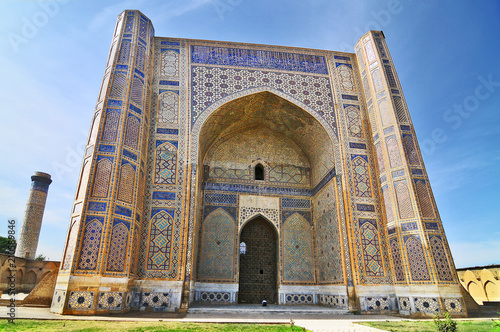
x,y
33,215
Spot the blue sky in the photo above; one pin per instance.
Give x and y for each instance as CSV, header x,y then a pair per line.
x,y
53,53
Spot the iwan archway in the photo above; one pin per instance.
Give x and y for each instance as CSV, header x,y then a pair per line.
x,y
263,156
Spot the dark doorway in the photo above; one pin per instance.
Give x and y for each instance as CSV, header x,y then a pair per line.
x,y
258,263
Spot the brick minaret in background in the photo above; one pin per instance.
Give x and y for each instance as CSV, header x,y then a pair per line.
x,y
32,222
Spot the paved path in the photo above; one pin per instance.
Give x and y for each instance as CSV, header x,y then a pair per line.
x,y
316,323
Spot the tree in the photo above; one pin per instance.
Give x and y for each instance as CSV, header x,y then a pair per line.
x,y
6,245
41,257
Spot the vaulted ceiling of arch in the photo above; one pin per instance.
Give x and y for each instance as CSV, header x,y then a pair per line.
x,y
271,111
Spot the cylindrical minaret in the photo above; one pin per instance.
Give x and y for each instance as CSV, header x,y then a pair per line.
x,y
30,231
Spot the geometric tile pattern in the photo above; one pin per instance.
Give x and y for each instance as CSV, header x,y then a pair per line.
x,y
404,200
70,244
90,248
336,301
380,157
377,303
388,204
424,199
140,57
110,130
168,109
102,177
298,265
126,186
440,260
426,305
328,239
219,198
410,150
416,259
371,247
166,164
346,79
453,306
299,299
136,91
396,259
118,84
124,51
248,212
213,83
160,241
110,300
400,109
354,125
58,300
80,300
404,304
170,63
217,247
214,297
394,155
155,299
361,176
295,203
385,113
118,248
132,133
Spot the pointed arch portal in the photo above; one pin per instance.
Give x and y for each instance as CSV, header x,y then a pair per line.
x,y
258,263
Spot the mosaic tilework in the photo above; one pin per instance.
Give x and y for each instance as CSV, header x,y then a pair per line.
x,y
453,305
410,150
328,238
126,183
110,300
220,198
71,244
90,248
377,80
397,261
440,259
160,241
132,132
214,297
345,76
102,177
416,259
169,63
215,83
299,299
426,305
247,213
354,125
80,300
168,108
137,90
336,301
361,176
295,203
111,123
217,247
258,59
371,247
400,109
140,57
288,174
424,199
58,300
393,150
380,157
298,265
117,248
166,164
389,213
155,299
377,303
404,303
118,87
404,201
124,55
385,112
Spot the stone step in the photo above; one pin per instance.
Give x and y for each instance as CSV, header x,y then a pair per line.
x,y
269,309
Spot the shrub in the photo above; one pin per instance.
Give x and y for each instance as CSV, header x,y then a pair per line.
x,y
446,325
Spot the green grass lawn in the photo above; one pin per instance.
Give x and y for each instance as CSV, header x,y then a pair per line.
x,y
486,325
91,326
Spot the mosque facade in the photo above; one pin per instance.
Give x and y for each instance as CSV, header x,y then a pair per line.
x,y
221,172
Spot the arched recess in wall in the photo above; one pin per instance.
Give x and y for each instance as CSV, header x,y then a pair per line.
x,y
30,278
298,263
216,261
